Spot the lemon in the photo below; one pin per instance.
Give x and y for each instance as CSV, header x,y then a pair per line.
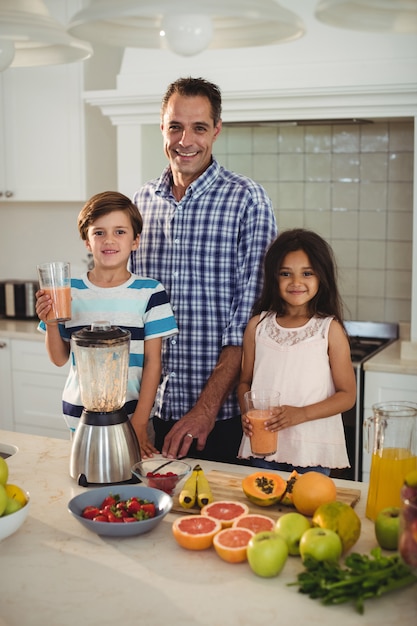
x,y
16,493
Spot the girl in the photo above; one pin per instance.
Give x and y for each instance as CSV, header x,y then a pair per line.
x,y
297,345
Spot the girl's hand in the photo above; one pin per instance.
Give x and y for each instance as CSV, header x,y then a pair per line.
x,y
147,449
285,416
43,306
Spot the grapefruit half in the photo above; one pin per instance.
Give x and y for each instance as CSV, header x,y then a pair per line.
x,y
226,511
255,522
231,543
195,532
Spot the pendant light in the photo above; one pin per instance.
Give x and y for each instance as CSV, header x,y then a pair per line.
x,y
29,36
379,16
186,27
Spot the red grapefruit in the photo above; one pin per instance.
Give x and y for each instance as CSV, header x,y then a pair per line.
x,y
226,511
230,544
255,522
195,532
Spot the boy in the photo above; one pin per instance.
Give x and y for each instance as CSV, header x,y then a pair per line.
x,y
111,225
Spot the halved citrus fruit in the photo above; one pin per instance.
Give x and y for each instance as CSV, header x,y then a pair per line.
x,y
255,522
231,543
195,532
226,511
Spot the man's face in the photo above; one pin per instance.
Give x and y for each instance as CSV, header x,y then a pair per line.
x,y
189,133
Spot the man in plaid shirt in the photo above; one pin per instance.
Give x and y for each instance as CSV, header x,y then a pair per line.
x,y
205,232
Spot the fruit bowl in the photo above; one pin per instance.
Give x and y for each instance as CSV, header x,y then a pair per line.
x,y
159,473
94,497
9,524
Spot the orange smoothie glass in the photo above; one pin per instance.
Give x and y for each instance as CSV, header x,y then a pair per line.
x,y
55,279
260,405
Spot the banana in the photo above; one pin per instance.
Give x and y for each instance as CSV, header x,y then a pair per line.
x,y
204,495
188,495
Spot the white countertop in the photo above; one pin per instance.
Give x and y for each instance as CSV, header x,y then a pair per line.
x,y
389,360
56,572
20,329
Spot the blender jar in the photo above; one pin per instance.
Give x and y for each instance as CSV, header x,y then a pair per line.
x,y
102,361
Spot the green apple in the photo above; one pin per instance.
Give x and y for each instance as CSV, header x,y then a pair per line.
x,y
267,552
387,527
292,526
3,499
12,506
4,471
322,544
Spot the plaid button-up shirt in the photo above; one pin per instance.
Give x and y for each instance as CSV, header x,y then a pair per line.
x,y
207,250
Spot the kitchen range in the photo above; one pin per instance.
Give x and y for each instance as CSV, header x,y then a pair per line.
x,y
57,572
366,340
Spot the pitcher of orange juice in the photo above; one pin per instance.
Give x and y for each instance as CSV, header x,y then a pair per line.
x,y
394,452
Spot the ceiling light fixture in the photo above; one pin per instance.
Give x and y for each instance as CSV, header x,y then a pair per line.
x,y
29,36
187,27
379,16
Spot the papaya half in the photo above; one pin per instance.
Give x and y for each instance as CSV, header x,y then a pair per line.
x,y
264,488
286,498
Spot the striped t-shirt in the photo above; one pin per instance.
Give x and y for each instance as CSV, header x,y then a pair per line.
x,y
139,305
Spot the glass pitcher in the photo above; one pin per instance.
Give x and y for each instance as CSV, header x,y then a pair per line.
x,y
394,452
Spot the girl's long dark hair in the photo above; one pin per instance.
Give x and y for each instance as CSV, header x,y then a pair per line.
x,y
327,301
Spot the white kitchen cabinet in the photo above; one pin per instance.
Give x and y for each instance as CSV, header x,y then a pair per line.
x,y
42,153
6,395
385,387
37,390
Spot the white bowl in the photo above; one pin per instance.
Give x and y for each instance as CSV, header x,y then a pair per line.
x,y
9,524
94,497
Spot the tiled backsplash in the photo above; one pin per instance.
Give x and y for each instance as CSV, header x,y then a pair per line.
x,y
353,184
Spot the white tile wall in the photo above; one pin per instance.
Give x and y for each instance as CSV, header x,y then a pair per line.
x,y
353,184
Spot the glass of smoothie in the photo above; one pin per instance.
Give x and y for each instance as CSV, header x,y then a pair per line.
x,y
55,279
260,405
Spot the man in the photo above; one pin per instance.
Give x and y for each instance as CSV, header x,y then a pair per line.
x,y
204,237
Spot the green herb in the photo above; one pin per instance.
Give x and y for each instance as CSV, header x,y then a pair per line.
x,y
363,577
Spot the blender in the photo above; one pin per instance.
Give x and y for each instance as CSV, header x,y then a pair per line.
x,y
105,446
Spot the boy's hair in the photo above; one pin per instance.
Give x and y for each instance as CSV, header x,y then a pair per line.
x,y
327,301
104,203
196,87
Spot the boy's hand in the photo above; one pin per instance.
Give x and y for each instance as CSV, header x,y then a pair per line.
x,y
43,306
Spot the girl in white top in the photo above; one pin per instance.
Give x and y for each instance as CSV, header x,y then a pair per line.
x,y
297,345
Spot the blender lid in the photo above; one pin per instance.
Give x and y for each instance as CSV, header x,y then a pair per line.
x,y
98,332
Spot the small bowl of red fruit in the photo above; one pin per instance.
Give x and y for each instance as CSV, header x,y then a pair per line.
x,y
163,474
120,510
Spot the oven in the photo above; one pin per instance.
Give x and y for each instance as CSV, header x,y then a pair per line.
x,y
366,339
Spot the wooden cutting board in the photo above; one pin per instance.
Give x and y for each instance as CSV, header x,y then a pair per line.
x,y
228,486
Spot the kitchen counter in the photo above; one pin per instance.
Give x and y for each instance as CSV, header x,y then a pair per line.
x,y
20,329
54,571
389,360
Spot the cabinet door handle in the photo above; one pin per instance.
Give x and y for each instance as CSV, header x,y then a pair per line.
x,y
3,345
8,194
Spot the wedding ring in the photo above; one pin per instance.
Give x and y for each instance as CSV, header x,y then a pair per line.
x,y
189,435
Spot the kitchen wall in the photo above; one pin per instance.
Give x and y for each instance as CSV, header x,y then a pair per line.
x,y
353,184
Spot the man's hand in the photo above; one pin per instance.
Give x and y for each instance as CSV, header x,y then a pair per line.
x,y
193,425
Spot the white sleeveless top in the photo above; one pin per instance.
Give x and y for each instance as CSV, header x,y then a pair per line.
x,y
295,362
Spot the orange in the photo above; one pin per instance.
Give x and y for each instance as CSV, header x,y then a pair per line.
x,y
16,493
226,511
195,532
255,522
312,489
230,544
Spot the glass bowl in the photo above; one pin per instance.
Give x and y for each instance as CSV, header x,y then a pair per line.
x,y
94,497
163,474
